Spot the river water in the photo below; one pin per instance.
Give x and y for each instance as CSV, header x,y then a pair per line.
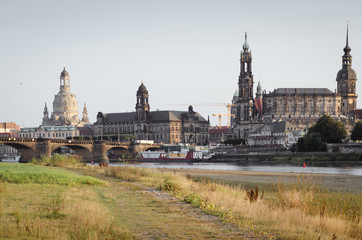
x,y
344,169
328,168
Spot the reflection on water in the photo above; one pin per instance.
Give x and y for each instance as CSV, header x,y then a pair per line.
x,y
320,169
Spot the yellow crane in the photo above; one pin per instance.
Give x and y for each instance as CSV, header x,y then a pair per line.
x,y
227,105
220,115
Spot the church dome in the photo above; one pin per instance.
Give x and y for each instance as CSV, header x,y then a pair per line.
x,y
65,108
346,73
142,90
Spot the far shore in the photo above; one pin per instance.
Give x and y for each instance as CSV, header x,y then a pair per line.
x,y
330,181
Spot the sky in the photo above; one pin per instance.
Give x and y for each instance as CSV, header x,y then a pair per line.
x,y
185,52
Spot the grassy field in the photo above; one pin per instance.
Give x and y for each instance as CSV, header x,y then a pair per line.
x,y
95,209
298,209
89,202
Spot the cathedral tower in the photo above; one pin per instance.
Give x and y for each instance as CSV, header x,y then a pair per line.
x,y
245,101
346,83
142,106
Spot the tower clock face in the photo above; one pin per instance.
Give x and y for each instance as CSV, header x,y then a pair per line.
x,y
350,101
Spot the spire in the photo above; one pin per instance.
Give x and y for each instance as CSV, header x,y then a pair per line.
x,y
347,58
347,49
46,110
246,45
85,114
259,90
347,35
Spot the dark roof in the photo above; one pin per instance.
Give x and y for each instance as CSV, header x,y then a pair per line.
x,y
166,115
64,73
156,116
142,89
302,91
276,127
120,117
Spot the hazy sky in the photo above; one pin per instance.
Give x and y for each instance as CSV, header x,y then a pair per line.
x,y
185,51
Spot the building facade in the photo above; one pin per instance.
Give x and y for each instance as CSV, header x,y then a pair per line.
x,y
8,130
280,133
169,127
58,132
299,106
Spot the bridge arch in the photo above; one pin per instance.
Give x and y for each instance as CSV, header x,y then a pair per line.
x,y
83,151
119,152
27,151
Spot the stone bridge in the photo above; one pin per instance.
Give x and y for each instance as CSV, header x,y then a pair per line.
x,y
89,150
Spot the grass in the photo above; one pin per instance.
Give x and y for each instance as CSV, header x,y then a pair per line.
x,y
58,160
30,173
118,207
297,210
114,210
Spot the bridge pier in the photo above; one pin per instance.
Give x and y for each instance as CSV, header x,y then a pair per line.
x,y
100,152
43,148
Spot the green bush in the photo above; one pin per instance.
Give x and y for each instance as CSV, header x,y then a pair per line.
x,y
169,186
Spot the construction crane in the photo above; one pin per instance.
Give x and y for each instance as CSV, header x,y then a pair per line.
x,y
227,105
220,115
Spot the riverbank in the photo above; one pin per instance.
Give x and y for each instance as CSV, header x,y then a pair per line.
x,y
290,157
268,180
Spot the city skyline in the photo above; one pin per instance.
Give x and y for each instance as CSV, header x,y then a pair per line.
x,y
185,52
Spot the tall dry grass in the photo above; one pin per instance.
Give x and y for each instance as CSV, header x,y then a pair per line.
x,y
300,210
58,160
56,213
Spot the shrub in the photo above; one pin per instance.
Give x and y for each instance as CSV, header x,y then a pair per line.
x,y
58,160
253,195
169,185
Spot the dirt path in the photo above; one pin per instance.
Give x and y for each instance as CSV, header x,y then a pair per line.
x,y
149,213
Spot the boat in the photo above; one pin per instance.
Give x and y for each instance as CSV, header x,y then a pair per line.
x,y
162,155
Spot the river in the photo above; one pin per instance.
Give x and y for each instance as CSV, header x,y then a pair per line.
x,y
327,168
343,169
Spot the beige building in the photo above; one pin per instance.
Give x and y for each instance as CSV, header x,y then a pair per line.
x,y
169,127
65,107
64,119
58,132
281,133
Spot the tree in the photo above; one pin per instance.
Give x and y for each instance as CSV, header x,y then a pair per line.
x,y
330,130
357,131
311,142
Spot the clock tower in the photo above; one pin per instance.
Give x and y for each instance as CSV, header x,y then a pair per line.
x,y
346,83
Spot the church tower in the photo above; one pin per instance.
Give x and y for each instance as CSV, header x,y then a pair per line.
x,y
142,106
346,83
245,101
